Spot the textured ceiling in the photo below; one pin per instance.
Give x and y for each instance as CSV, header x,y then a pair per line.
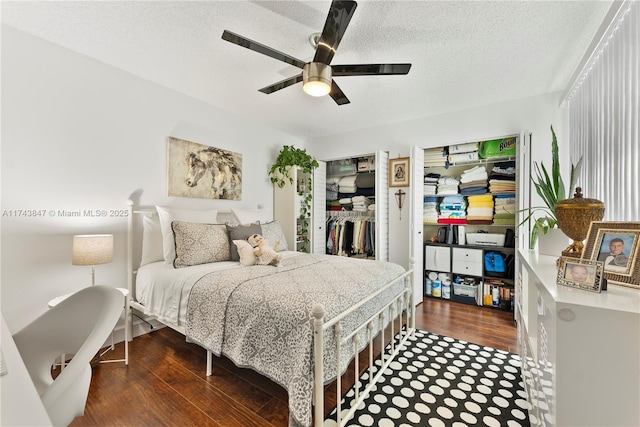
x,y
464,53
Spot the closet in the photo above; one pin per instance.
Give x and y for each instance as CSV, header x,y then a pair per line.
x,y
464,213
354,207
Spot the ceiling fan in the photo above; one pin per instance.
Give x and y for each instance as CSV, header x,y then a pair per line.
x,y
317,74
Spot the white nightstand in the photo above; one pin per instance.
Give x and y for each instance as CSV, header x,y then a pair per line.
x,y
125,293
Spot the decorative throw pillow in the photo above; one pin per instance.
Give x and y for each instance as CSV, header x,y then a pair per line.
x,y
248,216
199,243
241,232
247,257
151,240
168,215
272,232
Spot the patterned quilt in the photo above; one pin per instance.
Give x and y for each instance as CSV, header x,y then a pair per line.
x,y
260,316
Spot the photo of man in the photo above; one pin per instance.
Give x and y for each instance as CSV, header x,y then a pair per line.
x,y
614,252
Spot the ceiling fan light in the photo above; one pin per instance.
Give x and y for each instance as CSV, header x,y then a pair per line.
x,y
317,88
316,78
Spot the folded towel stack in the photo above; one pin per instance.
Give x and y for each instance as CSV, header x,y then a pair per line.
x,y
332,187
435,156
347,184
431,183
480,208
453,207
497,186
448,185
502,178
476,173
504,170
430,209
505,207
473,181
360,203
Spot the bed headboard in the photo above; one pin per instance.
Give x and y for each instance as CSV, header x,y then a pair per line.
x,y
134,239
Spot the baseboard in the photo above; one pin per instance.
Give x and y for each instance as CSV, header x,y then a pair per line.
x,y
140,327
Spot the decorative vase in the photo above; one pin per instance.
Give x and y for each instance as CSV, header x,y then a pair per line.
x,y
552,242
574,219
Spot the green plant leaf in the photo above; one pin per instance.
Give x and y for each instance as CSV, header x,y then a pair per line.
x,y
551,189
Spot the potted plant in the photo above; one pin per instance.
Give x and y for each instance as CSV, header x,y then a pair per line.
x,y
551,188
279,173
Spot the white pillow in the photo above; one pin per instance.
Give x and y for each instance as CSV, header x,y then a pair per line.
x,y
168,215
272,232
247,257
248,216
151,240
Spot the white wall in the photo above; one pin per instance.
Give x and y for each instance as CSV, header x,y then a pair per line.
x,y
535,114
78,134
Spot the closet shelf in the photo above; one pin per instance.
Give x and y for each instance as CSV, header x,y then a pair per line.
x,y
473,162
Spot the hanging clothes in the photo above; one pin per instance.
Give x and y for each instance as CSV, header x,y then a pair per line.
x,y
350,234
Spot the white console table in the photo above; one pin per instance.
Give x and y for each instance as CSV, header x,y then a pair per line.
x,y
580,349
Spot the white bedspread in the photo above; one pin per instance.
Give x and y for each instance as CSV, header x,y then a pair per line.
x,y
164,290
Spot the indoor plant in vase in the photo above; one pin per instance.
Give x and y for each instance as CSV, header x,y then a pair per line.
x,y
551,188
280,172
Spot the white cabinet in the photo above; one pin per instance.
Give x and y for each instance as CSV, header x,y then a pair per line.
x,y
580,350
437,258
467,261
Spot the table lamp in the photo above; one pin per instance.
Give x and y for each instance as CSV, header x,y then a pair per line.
x,y
92,249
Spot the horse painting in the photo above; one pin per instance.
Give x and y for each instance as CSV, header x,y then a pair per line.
x,y
225,173
197,170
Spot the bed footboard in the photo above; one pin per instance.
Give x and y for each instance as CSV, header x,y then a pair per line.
x,y
401,305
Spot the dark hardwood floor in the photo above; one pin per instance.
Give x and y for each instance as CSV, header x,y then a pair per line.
x,y
165,382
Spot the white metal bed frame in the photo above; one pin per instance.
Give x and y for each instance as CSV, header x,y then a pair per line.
x,y
401,307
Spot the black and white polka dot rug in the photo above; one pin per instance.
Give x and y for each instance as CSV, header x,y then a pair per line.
x,y
441,381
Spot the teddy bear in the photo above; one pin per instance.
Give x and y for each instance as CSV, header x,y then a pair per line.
x,y
265,254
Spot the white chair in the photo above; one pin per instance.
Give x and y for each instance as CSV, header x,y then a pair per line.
x,y
79,325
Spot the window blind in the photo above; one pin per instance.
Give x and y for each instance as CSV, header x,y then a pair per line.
x,y
604,115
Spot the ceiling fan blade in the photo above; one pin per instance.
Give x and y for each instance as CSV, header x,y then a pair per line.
x,y
337,94
370,69
260,48
340,14
282,84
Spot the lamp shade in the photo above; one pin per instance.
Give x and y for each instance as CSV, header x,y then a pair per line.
x,y
92,249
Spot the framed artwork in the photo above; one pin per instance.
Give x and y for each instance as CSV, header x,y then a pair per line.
x,y
580,273
197,170
399,172
616,244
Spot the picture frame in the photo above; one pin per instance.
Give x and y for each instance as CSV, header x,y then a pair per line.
x,y
583,274
399,172
617,245
202,171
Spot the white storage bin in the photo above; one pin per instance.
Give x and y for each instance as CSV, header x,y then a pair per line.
x,y
465,290
485,239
